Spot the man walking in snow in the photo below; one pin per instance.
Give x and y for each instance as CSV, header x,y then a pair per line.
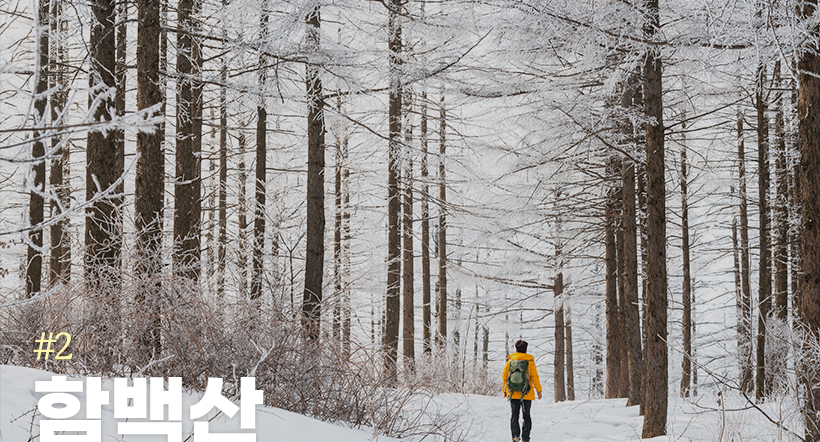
x,y
520,385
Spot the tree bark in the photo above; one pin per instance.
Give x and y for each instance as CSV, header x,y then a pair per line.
x,y
781,209
187,188
623,344
808,111
686,373
34,258
570,361
559,355
631,307
243,221
60,259
441,337
337,242
222,235
261,168
425,232
392,304
656,354
613,363
745,320
150,171
765,285
103,222
408,320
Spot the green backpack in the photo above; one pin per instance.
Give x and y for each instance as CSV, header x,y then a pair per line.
x,y
517,377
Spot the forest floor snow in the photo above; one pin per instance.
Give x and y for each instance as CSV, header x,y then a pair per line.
x,y
471,418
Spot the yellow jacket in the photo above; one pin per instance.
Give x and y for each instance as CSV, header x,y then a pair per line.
x,y
532,376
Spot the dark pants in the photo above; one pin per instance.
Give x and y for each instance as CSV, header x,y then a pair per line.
x,y
515,405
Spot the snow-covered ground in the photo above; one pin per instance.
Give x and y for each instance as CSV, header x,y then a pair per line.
x,y
473,418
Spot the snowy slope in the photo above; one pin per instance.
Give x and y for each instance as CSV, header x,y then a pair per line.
x,y
471,418
18,399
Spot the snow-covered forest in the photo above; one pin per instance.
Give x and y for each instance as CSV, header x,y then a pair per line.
x,y
362,202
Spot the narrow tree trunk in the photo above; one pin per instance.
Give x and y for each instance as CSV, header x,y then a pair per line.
x,y
120,79
314,262
597,357
187,188
613,363
781,209
745,320
686,373
570,360
34,259
223,175
337,242
149,183
558,359
425,232
632,338
485,349
346,312
623,344
656,362
392,303
795,212
60,260
442,232
742,339
642,210
261,168
408,319
765,285
243,222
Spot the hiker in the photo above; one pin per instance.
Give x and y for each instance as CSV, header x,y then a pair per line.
x,y
520,385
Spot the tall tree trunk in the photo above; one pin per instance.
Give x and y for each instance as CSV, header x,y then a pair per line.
x,y
765,286
745,320
613,364
558,359
742,338
686,365
642,211
187,188
337,241
261,166
346,237
656,362
408,319
103,222
485,349
441,336
243,222
570,361
34,259
781,208
795,215
315,239
808,111
623,347
632,339
597,357
425,232
60,260
149,181
392,302
120,80
222,238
